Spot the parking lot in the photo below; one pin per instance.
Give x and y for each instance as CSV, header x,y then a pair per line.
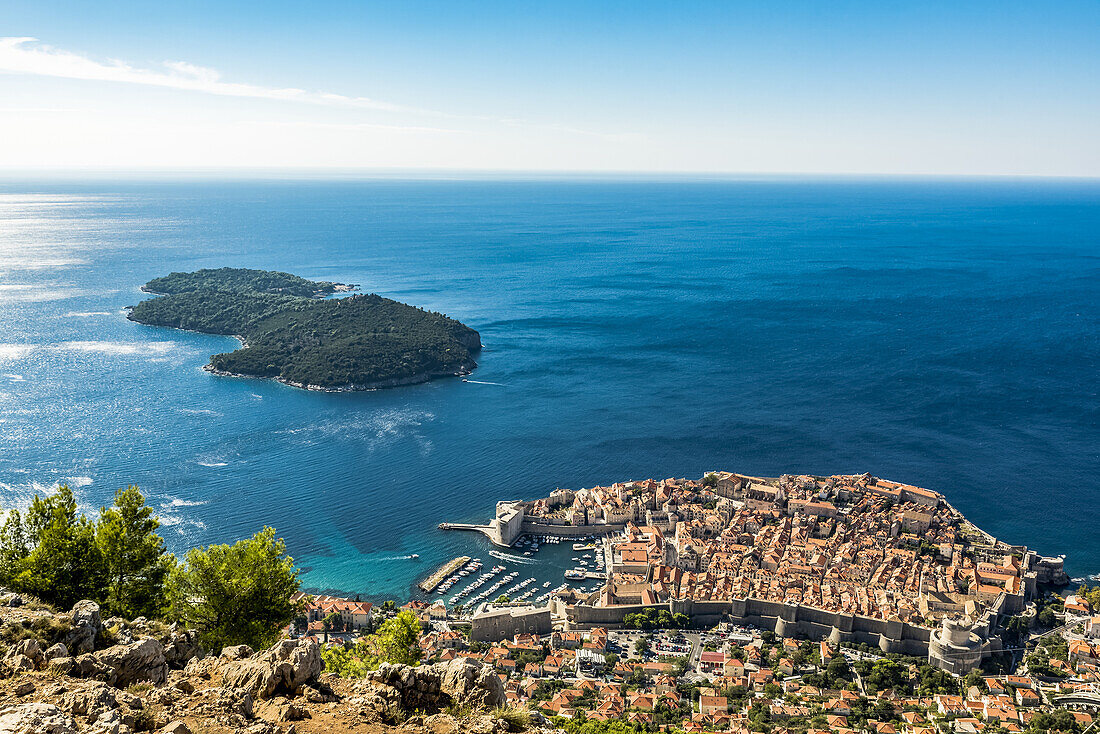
x,y
662,643
673,644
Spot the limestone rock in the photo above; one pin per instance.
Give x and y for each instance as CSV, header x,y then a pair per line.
x,y
16,663
487,725
203,668
56,651
470,684
161,696
236,652
125,698
381,704
281,712
181,682
139,661
264,727
85,613
115,622
108,722
90,702
442,724
25,656
459,682
317,693
182,647
283,668
175,727
86,625
62,666
235,701
35,718
30,649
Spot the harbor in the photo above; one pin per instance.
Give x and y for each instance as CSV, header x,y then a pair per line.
x,y
531,570
429,584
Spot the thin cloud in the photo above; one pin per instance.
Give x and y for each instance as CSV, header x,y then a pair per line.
x,y
25,55
352,126
38,110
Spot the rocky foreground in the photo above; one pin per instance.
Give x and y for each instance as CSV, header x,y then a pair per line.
x,y
76,673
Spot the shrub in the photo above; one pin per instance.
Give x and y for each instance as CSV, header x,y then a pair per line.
x,y
518,718
394,642
47,630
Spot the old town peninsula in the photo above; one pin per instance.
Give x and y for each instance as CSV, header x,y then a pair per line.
x,y
843,558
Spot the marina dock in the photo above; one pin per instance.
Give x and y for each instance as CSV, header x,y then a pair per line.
x,y
428,585
489,531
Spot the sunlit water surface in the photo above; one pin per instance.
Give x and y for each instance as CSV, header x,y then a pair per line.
x,y
940,333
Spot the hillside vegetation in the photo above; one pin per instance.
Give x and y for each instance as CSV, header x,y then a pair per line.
x,y
294,335
135,644
230,594
241,279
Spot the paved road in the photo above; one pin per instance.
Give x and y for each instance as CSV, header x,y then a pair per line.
x,y
696,649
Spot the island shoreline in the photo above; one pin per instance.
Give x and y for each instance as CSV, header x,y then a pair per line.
x,y
461,370
417,379
454,349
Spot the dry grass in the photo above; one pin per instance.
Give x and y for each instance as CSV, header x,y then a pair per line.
x,y
518,718
147,718
47,629
35,604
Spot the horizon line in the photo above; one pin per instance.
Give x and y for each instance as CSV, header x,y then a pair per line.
x,y
276,173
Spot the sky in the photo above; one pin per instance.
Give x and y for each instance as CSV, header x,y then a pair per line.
x,y
843,87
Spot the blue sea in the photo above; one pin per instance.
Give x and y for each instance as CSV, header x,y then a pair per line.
x,y
940,332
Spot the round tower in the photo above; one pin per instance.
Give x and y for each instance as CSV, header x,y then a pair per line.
x,y
955,647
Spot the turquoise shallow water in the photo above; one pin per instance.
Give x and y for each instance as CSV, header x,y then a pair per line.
x,y
943,333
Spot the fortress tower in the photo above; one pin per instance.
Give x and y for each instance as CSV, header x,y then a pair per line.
x,y
955,647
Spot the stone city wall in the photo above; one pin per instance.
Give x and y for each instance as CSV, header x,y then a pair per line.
x,y
532,527
786,620
504,624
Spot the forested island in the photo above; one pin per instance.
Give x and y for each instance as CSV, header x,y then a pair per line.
x,y
292,333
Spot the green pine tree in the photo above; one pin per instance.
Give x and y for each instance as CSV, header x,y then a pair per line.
x,y
137,564
51,552
235,594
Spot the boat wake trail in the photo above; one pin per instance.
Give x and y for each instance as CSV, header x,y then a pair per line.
x,y
509,557
480,382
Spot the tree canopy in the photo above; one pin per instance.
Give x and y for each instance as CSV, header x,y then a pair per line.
x,y
260,281
653,618
61,556
395,641
231,594
137,564
235,594
51,551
